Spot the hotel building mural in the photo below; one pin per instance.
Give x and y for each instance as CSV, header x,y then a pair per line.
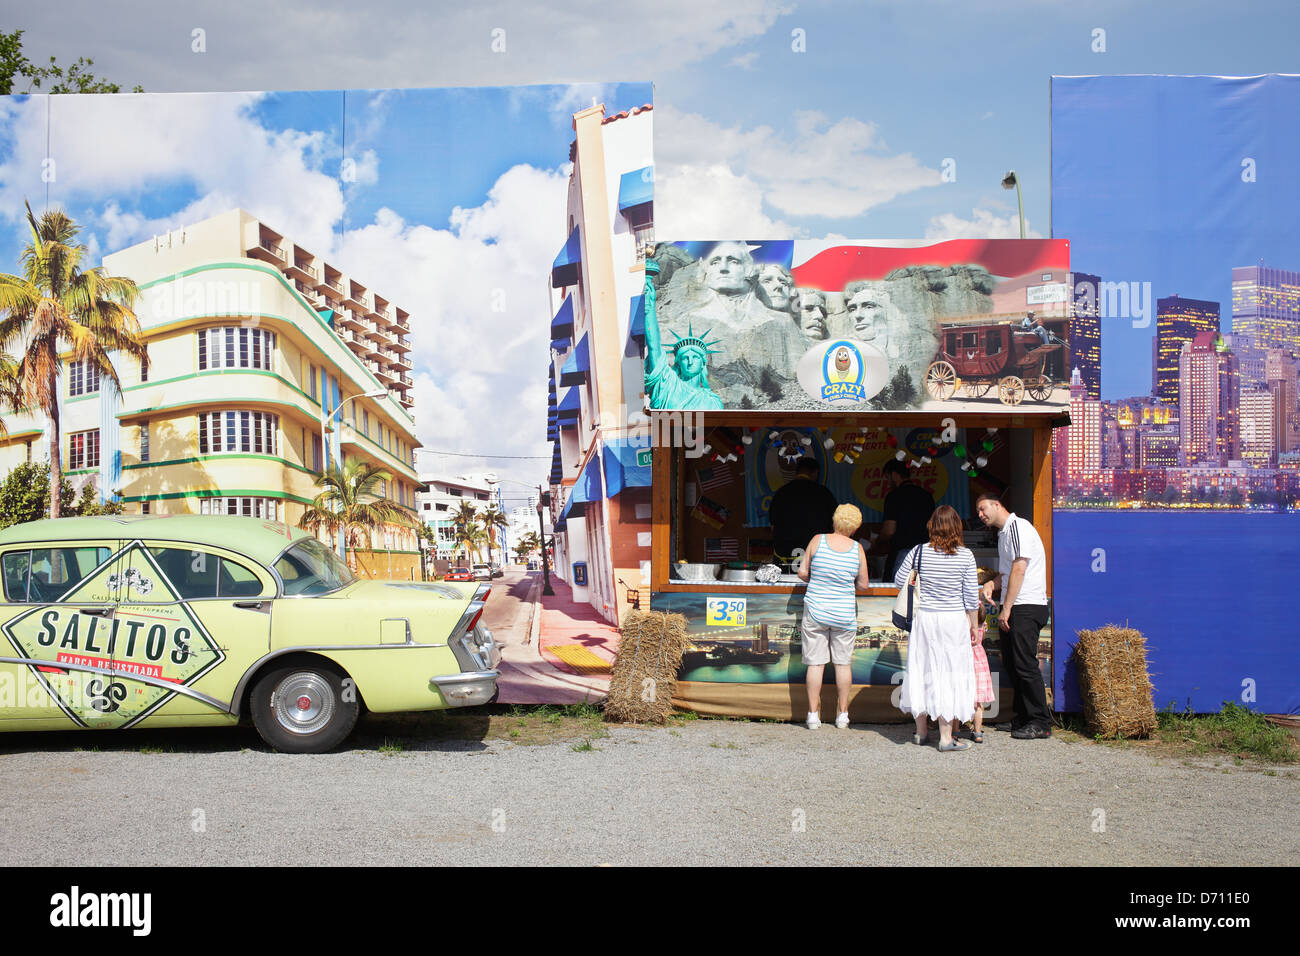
x,y
253,342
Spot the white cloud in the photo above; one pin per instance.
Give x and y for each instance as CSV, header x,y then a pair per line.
x,y
693,202
983,224
825,169
390,43
745,61
480,324
210,145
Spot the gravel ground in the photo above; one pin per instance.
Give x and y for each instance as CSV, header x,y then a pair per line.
x,y
706,792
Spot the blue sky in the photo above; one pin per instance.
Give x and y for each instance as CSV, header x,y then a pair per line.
x,y
1150,189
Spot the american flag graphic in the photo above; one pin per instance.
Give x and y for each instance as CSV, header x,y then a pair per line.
x,y
721,549
713,479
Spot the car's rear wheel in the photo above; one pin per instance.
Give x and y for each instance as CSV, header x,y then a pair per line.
x,y
302,708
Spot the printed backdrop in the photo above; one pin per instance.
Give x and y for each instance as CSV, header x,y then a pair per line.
x,y
964,325
1177,481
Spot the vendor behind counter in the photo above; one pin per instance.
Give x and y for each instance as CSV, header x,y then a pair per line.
x,y
800,510
907,509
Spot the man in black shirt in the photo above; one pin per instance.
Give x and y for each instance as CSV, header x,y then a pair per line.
x,y
800,510
908,507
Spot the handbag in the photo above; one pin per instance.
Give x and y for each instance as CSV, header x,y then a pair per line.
x,y
905,603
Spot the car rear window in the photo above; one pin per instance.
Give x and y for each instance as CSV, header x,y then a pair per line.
x,y
198,574
40,575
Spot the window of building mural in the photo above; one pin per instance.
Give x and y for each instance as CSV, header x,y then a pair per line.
x,y
83,450
83,378
239,431
236,347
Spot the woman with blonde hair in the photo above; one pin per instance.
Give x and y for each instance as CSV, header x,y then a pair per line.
x,y
834,567
940,677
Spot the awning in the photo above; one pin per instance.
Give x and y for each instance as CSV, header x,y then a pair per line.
x,y
636,188
624,468
564,271
560,527
562,324
576,365
570,407
636,319
588,487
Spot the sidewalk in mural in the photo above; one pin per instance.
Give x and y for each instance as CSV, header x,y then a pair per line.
x,y
561,655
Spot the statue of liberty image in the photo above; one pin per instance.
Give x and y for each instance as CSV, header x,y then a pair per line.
x,y
683,383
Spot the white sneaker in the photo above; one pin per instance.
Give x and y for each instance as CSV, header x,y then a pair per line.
x,y
842,720
814,721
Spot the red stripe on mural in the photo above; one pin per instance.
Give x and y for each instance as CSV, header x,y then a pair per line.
x,y
833,269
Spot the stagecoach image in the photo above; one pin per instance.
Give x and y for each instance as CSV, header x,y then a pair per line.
x,y
977,354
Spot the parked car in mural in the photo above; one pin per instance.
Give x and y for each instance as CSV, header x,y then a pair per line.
x,y
976,356
202,621
483,572
458,574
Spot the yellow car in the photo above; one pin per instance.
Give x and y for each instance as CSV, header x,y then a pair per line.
x,y
180,621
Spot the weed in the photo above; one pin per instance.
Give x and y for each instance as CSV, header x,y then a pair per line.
x,y
391,746
584,747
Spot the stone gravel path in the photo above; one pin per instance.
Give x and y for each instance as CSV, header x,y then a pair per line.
x,y
706,792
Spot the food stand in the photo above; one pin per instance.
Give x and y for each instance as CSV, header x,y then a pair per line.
x,y
748,422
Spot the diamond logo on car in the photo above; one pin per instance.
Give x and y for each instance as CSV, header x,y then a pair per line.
x,y
147,643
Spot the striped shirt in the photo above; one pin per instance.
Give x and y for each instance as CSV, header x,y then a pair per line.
x,y
830,597
948,581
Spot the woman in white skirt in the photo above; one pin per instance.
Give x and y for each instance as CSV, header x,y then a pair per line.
x,y
940,677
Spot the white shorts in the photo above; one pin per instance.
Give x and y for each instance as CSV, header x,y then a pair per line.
x,y
826,642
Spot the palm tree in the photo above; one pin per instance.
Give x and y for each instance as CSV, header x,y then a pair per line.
x,y
463,521
478,537
350,504
493,518
55,305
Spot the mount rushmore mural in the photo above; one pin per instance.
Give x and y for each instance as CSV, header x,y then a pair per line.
x,y
803,325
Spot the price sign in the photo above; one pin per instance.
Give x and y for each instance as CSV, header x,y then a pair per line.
x,y
725,612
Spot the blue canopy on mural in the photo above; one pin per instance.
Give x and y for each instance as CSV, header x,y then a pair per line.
x,y
565,269
621,467
562,324
577,365
636,319
570,406
636,188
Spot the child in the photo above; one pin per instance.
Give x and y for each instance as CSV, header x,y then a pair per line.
x,y
984,693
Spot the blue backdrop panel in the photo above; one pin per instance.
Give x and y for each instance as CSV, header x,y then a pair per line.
x,y
1166,184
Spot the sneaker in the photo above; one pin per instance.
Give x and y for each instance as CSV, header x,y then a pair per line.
x,y
1030,732
842,720
814,721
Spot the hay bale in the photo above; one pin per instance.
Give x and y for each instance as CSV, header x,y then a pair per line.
x,y
644,677
1114,682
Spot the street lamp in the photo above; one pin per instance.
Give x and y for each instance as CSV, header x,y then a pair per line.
x,y
1012,181
324,445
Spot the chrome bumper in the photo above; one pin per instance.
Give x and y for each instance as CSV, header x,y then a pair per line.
x,y
468,689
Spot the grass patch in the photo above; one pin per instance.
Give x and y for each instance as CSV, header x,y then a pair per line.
x,y
521,724
1235,731
585,747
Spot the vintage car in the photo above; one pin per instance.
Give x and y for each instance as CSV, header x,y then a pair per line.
x,y
179,621
458,574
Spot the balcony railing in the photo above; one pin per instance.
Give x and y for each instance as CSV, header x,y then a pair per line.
x,y
310,270
273,249
333,284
